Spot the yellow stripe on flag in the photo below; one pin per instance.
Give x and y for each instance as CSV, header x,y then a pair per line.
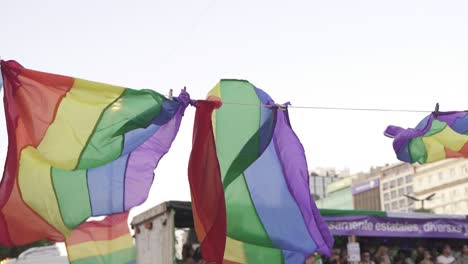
x,y
75,120
37,190
435,144
234,251
451,139
99,248
215,92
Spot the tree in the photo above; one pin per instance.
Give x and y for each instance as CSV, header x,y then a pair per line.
x,y
14,252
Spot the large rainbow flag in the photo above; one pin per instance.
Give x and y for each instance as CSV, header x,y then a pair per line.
x,y
102,242
438,136
77,149
249,181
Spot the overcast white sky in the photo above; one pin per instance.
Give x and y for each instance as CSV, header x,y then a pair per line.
x,y
370,54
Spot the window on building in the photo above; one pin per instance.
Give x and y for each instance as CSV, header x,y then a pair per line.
x,y
441,176
385,186
402,203
454,194
429,179
409,189
393,194
466,190
442,197
465,170
409,178
401,191
452,172
420,182
386,197
448,210
394,206
400,181
393,184
387,207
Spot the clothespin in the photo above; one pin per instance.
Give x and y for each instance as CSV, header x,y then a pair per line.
x,y
185,89
436,111
170,94
281,107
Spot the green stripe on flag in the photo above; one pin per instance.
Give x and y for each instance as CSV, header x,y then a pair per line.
x,y
234,127
134,109
256,254
71,190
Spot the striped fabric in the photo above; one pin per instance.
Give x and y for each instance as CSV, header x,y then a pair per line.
x,y
249,181
102,242
438,136
77,149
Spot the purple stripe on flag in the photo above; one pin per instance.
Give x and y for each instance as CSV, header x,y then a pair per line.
x,y
450,117
292,157
139,173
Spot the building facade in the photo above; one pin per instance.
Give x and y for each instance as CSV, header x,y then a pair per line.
x,y
366,193
447,180
396,182
338,195
318,184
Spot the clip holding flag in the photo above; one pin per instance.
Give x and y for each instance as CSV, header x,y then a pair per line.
x,y
436,110
171,96
281,107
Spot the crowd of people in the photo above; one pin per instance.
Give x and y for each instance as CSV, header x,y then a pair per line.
x,y
421,255
381,255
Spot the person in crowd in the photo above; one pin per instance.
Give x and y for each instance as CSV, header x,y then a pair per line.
x,y
398,259
344,256
406,256
381,256
420,254
463,258
366,258
187,254
446,257
427,258
335,257
198,257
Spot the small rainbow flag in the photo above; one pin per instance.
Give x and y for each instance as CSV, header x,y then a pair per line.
x,y
77,149
439,136
102,242
249,181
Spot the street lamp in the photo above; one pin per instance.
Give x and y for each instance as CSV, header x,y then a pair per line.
x,y
428,198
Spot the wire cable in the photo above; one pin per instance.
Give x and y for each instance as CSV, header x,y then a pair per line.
x,y
336,108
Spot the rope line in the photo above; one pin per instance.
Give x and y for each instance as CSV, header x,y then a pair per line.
x,y
325,107
336,108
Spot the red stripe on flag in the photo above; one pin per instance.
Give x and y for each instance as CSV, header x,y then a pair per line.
x,y
206,186
109,228
24,104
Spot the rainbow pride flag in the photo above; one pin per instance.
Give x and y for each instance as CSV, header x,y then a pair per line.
x,y
77,149
438,136
249,181
102,242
